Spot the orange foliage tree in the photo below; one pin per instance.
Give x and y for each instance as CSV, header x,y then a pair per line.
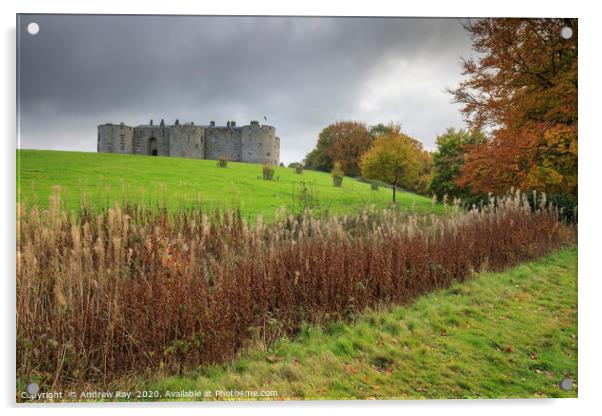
x,y
343,141
521,87
350,139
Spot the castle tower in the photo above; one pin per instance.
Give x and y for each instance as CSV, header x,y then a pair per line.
x,y
115,138
260,144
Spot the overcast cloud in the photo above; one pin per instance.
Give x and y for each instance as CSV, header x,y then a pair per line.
x,y
301,73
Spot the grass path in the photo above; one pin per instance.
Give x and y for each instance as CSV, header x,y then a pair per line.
x,y
109,177
503,335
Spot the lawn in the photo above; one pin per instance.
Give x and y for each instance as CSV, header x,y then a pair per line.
x,y
501,335
176,182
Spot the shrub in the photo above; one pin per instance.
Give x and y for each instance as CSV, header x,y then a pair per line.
x,y
297,166
374,185
88,285
268,171
337,174
222,162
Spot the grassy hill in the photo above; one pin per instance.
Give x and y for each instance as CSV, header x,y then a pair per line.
x,y
174,181
502,335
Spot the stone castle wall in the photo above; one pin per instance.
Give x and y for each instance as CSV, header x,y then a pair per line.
x,y
186,141
151,140
224,141
252,143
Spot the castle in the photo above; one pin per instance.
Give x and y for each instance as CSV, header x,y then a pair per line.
x,y
252,143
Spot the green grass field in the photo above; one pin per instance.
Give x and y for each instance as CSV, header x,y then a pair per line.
x,y
155,180
502,335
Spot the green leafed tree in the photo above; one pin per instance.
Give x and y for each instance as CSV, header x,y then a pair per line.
x,y
448,160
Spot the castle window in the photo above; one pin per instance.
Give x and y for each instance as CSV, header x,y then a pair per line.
x,y
196,146
122,142
268,153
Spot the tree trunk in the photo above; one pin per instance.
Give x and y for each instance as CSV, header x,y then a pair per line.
x,y
394,187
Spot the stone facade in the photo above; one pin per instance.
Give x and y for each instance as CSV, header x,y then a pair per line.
x,y
253,143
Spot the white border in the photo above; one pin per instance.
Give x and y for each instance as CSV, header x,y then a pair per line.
x,y
589,230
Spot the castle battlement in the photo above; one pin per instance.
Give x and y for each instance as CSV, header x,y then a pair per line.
x,y
252,143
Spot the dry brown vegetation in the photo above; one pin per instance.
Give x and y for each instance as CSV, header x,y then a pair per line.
x,y
137,289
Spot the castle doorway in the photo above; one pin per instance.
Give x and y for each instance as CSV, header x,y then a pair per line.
x,y
153,147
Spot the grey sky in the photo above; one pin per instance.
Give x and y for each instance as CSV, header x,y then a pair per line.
x,y
301,73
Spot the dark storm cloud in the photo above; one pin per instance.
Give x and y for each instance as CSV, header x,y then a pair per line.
x,y
302,73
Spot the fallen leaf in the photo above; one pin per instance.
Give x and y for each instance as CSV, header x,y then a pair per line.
x,y
350,369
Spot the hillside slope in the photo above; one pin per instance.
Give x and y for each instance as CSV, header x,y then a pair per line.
x,y
109,177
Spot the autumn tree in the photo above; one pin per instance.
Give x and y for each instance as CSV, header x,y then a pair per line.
x,y
522,88
448,160
425,172
343,141
424,157
393,159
